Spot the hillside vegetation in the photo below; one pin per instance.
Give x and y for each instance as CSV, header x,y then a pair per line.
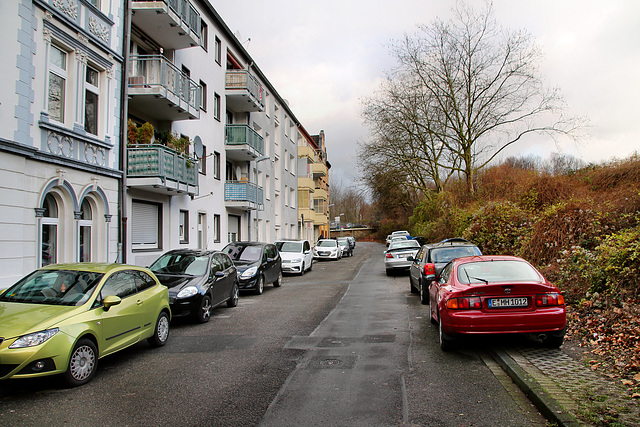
x,y
581,227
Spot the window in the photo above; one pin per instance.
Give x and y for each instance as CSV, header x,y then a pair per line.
x,y
146,218
286,160
57,83
216,228
49,232
91,101
184,227
203,96
143,280
216,165
96,3
216,106
204,35
85,224
202,231
202,162
121,284
218,52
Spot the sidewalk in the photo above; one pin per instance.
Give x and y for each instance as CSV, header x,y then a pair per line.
x,y
565,391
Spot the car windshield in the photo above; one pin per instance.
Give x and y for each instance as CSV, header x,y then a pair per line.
x,y
295,247
244,252
404,244
343,242
55,287
192,265
327,244
444,255
497,271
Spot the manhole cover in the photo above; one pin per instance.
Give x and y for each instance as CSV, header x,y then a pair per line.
x,y
332,362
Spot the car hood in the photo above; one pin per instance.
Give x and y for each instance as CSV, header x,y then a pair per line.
x,y
175,282
18,318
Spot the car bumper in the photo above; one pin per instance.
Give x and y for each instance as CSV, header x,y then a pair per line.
x,y
292,268
184,306
245,284
395,264
480,322
325,256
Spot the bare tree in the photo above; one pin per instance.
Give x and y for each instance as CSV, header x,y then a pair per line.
x,y
479,90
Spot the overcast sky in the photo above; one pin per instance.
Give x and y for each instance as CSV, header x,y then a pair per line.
x,y
325,56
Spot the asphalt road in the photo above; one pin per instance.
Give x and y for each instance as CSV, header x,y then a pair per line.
x,y
342,345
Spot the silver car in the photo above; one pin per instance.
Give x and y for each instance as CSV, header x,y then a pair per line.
x,y
395,257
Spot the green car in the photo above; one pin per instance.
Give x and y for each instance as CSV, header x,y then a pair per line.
x,y
62,318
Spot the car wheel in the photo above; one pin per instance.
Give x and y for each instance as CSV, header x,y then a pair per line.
x,y
413,288
259,286
424,294
389,273
235,296
278,281
82,363
554,341
161,333
446,343
204,310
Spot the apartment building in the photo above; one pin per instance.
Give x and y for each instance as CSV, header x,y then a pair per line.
x,y
313,186
60,129
221,162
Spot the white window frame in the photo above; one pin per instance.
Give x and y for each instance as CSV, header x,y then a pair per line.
x,y
96,91
61,73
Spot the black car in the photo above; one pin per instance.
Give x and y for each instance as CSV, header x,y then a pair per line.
x,y
198,281
432,258
257,264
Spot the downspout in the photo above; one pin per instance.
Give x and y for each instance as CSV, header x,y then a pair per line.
x,y
122,193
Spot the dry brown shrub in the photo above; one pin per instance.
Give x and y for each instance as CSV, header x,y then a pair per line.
x,y
618,173
545,191
504,182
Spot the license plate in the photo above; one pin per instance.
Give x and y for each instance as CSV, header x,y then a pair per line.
x,y
508,302
402,255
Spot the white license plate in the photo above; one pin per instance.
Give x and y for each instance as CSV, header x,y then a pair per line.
x,y
508,302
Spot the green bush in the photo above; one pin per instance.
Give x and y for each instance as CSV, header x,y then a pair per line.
x,y
618,261
499,228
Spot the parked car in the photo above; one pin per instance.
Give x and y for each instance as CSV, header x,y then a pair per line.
x,y
347,249
398,254
257,264
432,258
396,234
495,295
296,256
198,281
327,249
62,318
352,240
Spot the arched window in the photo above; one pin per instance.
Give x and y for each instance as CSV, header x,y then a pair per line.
x,y
85,223
49,231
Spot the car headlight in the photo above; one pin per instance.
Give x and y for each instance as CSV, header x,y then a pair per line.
x,y
34,339
187,292
296,260
249,273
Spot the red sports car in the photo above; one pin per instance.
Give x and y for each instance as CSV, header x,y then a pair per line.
x,y
495,295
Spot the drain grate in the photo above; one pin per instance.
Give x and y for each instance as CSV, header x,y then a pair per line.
x,y
332,362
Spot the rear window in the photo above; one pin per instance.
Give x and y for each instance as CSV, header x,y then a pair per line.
x,y
497,271
444,255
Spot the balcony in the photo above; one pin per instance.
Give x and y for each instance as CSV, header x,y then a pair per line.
x,y
173,24
242,195
308,152
243,91
159,169
159,88
243,143
306,183
319,170
321,194
320,218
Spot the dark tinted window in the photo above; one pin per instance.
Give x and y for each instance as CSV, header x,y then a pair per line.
x,y
121,284
446,254
225,260
143,280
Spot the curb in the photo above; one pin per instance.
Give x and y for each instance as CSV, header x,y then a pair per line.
x,y
545,403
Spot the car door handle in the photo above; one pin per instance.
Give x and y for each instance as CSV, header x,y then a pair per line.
x,y
139,302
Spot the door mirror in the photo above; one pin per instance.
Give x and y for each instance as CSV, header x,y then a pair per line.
x,y
110,301
218,274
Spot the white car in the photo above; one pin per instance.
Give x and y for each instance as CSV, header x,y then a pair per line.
x,y
296,256
396,257
327,249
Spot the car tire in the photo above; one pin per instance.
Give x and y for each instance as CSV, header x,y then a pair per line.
x,y
424,294
554,341
414,290
161,332
83,363
203,314
278,281
259,286
235,296
389,273
446,343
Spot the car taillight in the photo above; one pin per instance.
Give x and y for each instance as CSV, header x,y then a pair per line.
x,y
549,300
429,269
389,256
467,303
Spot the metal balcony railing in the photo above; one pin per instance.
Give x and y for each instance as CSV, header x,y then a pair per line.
x,y
187,13
149,71
162,162
242,80
243,134
239,191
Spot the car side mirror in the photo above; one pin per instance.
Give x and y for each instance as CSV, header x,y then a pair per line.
x,y
110,301
218,274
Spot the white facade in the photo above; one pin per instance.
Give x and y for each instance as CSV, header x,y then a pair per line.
x,y
59,133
